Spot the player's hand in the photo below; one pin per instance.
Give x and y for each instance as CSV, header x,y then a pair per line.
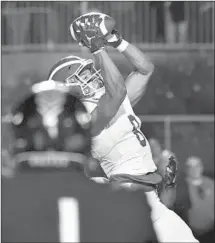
x,y
114,39
87,30
171,172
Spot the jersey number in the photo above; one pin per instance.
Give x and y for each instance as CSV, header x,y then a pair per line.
x,y
69,224
136,130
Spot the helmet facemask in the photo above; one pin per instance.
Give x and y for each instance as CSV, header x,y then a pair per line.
x,y
87,78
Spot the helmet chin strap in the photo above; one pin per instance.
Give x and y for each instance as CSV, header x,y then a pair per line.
x,y
92,102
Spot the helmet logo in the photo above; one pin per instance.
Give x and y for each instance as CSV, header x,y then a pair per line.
x,y
50,105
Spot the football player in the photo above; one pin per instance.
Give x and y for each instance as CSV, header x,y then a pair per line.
x,y
119,144
49,198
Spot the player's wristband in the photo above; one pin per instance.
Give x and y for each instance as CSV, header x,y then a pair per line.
x,y
122,46
98,51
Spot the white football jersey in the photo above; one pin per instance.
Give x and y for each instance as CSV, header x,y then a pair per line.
x,y
121,147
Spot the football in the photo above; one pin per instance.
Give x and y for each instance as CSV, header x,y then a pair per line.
x,y
107,24
101,23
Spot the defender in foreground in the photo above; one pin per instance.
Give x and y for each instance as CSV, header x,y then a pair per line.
x,y
49,198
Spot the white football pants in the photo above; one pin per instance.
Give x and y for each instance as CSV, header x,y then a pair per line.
x,y
168,226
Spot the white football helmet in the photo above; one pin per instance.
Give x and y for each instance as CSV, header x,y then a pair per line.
x,y
79,75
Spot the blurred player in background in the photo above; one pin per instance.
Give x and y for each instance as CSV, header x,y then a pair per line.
x,y
201,193
118,143
156,149
49,198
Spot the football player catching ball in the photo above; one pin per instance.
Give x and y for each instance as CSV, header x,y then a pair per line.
x,y
118,143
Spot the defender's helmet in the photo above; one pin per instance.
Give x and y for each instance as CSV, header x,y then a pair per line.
x,y
51,128
79,74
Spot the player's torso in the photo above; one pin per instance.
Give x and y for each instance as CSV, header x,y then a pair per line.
x,y
121,147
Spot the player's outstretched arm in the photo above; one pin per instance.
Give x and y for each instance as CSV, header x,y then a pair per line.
x,y
115,92
142,67
88,30
137,81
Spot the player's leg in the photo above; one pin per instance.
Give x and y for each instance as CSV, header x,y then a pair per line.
x,y
167,224
179,231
